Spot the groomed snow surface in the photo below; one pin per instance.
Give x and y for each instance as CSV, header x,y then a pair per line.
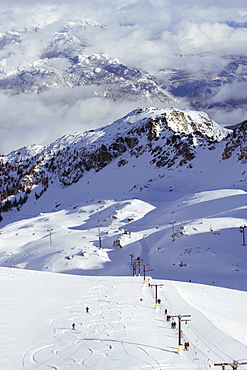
x,y
123,329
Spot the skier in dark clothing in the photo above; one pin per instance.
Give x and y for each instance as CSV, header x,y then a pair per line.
x,y
73,326
87,309
173,325
186,346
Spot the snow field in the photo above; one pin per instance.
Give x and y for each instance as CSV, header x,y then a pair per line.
x,y
203,245
123,329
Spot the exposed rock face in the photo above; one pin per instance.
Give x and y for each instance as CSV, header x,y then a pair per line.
x,y
237,141
153,128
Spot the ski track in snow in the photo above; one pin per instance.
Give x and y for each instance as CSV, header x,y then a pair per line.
x,y
95,340
124,330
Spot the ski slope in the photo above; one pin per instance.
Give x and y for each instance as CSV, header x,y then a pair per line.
x,y
123,329
204,247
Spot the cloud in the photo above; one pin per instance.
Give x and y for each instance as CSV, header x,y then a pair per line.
x,y
35,119
234,91
150,34
227,117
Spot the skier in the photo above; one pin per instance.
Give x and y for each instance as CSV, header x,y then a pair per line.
x,y
87,309
73,326
186,346
173,325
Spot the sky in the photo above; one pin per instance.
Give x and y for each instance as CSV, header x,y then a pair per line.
x,y
147,34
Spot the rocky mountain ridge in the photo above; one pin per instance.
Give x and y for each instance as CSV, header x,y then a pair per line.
x,y
165,139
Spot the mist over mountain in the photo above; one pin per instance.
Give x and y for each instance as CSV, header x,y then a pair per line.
x,y
83,65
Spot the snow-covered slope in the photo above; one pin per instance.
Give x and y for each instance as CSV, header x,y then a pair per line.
x,y
168,186
123,328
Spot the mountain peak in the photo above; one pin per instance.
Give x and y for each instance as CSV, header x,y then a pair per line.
x,y
180,121
165,138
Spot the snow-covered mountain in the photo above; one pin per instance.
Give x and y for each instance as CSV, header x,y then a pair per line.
x,y
64,62
159,193
166,185
170,136
203,90
135,219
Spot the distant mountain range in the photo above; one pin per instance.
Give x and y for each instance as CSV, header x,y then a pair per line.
x,y
200,90
64,61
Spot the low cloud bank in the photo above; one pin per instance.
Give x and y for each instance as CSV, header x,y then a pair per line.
x,y
41,119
